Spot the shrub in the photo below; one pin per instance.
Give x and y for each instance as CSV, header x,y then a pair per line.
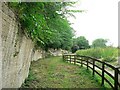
x,y
107,54
109,59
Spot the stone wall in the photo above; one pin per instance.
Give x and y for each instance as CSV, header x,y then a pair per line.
x,y
17,51
0,48
38,54
55,52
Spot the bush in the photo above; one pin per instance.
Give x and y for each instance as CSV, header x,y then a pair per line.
x,y
109,59
107,54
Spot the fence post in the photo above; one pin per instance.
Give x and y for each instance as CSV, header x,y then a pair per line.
x,y
70,58
93,67
81,62
116,78
63,58
67,58
87,63
74,59
103,67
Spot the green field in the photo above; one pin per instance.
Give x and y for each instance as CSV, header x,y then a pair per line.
x,y
55,73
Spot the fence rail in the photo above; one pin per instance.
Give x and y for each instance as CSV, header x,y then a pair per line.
x,y
90,62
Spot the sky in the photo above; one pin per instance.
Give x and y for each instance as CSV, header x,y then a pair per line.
x,y
100,20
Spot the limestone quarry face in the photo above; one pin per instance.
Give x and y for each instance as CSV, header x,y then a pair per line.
x,y
17,51
0,48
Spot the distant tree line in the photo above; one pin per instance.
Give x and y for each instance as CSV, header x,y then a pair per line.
x,y
82,43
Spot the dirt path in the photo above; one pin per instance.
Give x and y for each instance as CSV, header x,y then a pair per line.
x,y
54,73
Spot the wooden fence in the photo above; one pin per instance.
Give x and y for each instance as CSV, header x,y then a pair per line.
x,y
96,66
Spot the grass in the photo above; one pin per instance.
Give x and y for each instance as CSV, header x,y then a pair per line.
x,y
108,54
99,79
55,73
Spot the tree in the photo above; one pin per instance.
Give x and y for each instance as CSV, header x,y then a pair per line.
x,y
79,43
62,34
100,42
74,48
82,42
45,23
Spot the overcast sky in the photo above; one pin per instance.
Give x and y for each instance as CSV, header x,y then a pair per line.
x,y
100,20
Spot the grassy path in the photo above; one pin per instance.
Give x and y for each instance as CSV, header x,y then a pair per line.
x,y
54,73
